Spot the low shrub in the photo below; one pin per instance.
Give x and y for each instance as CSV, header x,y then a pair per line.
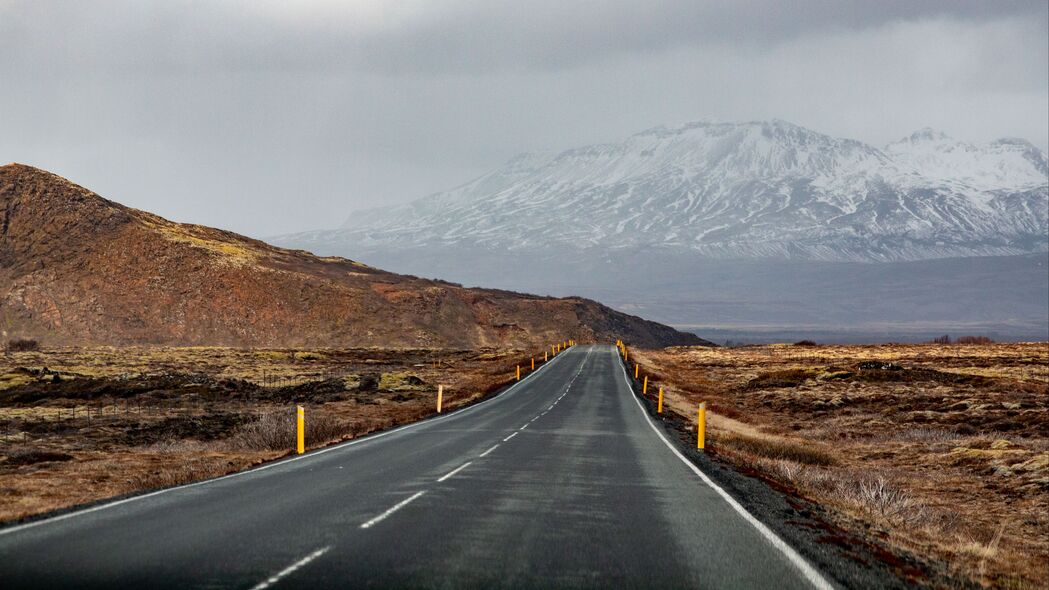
x,y
275,431
877,497
23,345
33,456
974,340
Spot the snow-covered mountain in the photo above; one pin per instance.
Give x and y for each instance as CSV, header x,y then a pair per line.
x,y
733,190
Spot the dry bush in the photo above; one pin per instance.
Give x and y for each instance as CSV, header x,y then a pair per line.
x,y
773,448
275,431
876,497
945,339
808,343
33,456
23,345
974,340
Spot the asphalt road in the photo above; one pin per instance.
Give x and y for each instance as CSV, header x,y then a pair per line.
x,y
561,481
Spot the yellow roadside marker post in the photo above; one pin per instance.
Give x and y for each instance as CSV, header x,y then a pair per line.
x,y
440,397
626,355
644,388
518,372
533,363
544,356
637,370
701,426
300,427
659,407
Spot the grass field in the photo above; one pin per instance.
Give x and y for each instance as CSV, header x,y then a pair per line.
x,y
82,424
938,450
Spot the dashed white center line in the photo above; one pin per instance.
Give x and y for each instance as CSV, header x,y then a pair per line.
x,y
494,447
509,437
523,427
550,408
395,508
453,471
290,569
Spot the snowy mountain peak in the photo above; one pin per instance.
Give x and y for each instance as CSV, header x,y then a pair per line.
x,y
752,189
927,134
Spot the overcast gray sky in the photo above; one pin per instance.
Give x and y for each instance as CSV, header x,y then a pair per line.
x,y
268,117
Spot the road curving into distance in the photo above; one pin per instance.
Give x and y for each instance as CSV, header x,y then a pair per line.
x,y
560,481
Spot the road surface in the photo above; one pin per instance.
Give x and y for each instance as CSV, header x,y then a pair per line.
x,y
561,481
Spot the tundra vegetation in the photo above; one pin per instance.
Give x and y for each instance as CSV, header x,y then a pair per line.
x,y
939,451
83,424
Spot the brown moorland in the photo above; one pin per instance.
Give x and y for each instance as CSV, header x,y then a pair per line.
x,y
84,424
941,451
77,269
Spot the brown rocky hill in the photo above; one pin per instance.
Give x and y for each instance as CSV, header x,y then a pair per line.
x,y
78,269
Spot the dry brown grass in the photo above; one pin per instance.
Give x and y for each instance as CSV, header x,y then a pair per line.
x,y
941,450
78,425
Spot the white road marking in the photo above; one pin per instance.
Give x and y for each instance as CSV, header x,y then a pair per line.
x,y
494,447
453,472
509,437
283,462
395,508
523,427
550,408
290,569
807,571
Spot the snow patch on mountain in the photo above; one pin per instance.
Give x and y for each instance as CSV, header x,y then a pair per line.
x,y
766,189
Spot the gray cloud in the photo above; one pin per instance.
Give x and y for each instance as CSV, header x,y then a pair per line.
x,y
268,117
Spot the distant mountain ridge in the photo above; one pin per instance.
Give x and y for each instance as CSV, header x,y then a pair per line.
x,y
766,189
78,269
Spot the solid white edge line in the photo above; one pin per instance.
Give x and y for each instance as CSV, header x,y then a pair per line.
x,y
290,569
277,463
394,508
807,571
454,471
494,447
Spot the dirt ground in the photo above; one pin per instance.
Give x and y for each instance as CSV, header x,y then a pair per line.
x,y
938,450
83,424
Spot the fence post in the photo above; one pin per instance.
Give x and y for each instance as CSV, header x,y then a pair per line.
x,y
701,427
300,428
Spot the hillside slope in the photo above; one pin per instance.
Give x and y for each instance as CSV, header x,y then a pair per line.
x,y
77,269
